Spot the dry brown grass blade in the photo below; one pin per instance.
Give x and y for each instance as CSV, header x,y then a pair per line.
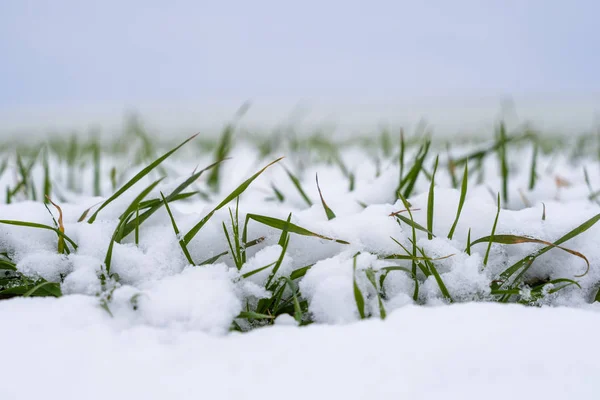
x,y
61,226
515,239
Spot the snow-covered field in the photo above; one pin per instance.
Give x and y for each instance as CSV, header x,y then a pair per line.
x,y
149,279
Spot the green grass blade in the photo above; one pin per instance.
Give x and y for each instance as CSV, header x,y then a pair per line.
x,y
137,178
118,233
461,202
401,158
515,239
253,315
176,230
292,228
46,285
137,226
300,272
408,182
451,167
279,261
298,187
284,232
413,224
533,170
431,201
294,289
358,296
328,211
503,161
371,277
212,260
39,226
436,276
491,237
96,155
257,270
47,181
236,193
278,195
221,153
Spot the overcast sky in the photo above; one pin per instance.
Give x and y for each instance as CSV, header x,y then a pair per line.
x,y
122,53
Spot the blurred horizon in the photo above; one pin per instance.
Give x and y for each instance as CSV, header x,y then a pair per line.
x,y
183,65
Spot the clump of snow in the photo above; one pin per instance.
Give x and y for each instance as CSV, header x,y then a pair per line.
x,y
48,265
196,299
84,277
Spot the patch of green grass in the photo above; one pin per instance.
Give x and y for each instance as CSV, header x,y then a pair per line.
x,y
59,170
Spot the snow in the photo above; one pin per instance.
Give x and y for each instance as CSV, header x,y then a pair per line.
x,y
160,328
68,348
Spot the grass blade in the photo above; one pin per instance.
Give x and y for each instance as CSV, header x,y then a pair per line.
x,y
34,290
328,211
39,226
533,170
294,290
298,186
491,237
358,297
137,178
431,202
281,225
515,239
461,202
371,277
118,233
253,315
176,230
236,193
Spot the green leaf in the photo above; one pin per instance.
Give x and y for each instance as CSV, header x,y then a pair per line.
x,y
50,287
461,202
298,186
431,201
237,192
118,234
328,211
292,228
176,230
257,270
253,315
533,170
491,237
39,226
408,182
212,260
297,308
300,272
515,239
358,297
286,240
137,178
413,224
176,194
371,277
437,277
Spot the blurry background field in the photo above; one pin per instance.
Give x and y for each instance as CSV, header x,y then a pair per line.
x,y
186,66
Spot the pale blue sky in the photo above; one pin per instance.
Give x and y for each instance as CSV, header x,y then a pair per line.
x,y
76,52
